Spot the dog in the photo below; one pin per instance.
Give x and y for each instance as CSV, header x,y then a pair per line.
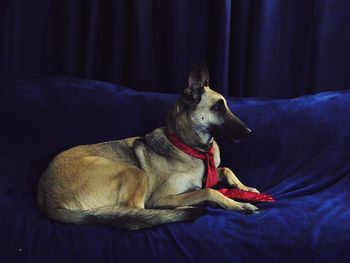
x,y
142,182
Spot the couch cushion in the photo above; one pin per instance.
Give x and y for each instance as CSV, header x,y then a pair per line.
x,y
299,152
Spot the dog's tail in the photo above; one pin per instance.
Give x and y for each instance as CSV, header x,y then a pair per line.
x,y
125,217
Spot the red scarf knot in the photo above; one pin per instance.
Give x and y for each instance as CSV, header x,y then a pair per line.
x,y
208,157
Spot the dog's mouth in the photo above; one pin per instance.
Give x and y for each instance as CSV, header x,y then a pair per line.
x,y
231,135
236,139
239,140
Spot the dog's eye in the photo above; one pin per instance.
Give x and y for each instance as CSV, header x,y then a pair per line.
x,y
218,106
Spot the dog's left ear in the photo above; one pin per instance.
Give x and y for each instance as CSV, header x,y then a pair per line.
x,y
198,78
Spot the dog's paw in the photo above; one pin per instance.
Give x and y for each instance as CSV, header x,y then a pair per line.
x,y
249,189
254,190
247,208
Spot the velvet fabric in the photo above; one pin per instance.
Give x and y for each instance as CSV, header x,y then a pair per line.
x,y
261,48
299,152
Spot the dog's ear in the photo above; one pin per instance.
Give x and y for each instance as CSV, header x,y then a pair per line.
x,y
204,74
197,79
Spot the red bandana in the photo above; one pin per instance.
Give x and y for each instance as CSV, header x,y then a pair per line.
x,y
212,173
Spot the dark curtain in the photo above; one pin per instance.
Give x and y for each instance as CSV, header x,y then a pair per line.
x,y
270,48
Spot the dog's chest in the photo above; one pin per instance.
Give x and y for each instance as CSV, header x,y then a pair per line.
x,y
173,176
187,179
184,176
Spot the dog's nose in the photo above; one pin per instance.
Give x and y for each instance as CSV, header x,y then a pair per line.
x,y
248,131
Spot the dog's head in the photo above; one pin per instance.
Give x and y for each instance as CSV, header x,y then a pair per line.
x,y
205,110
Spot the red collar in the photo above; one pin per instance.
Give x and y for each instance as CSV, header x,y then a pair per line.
x,y
208,157
212,173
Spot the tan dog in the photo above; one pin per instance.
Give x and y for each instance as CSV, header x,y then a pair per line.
x,y
138,182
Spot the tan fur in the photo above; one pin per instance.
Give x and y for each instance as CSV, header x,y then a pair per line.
x,y
132,178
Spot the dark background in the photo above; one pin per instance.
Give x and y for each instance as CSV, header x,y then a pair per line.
x,y
269,48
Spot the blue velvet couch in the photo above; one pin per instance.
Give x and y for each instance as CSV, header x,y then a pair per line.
x,y
299,152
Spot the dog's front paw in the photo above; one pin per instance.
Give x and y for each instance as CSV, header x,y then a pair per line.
x,y
247,208
249,189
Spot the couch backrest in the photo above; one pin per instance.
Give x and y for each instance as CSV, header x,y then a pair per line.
x,y
41,116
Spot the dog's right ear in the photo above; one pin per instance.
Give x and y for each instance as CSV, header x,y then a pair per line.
x,y
195,82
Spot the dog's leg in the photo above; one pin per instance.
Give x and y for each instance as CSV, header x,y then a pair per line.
x,y
202,195
226,175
